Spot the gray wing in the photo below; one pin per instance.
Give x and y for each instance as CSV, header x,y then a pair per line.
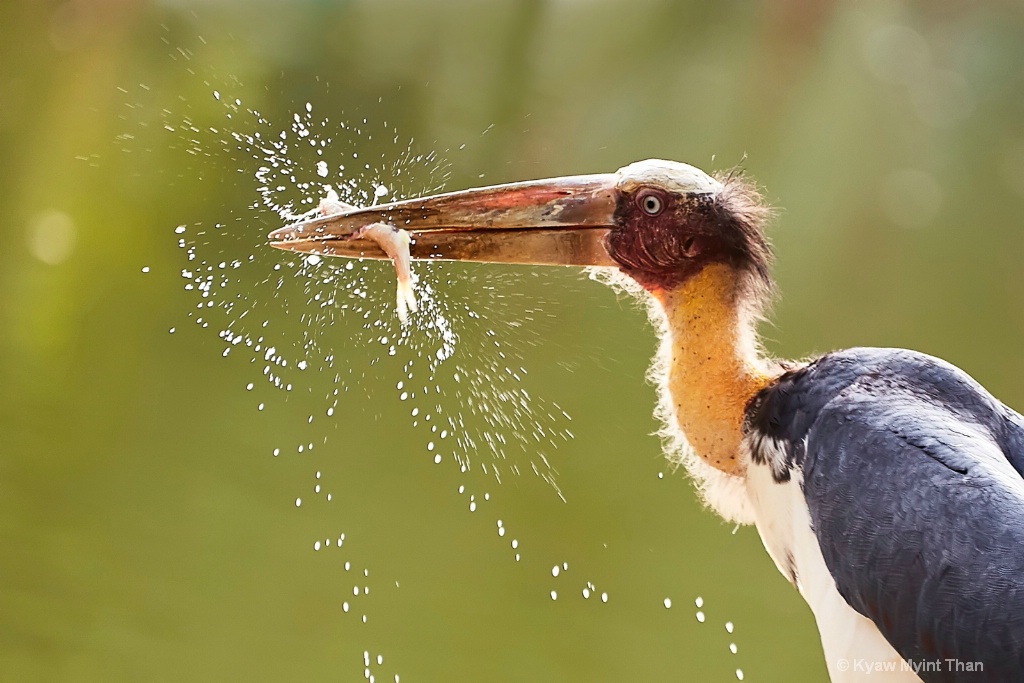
x,y
912,475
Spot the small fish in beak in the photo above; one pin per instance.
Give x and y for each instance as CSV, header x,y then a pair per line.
x,y
559,221
395,243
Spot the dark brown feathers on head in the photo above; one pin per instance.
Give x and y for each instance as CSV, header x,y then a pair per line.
x,y
745,214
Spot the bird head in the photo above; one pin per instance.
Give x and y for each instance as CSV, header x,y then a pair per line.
x,y
660,222
673,220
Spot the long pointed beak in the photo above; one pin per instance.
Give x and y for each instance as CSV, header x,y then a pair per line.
x,y
562,221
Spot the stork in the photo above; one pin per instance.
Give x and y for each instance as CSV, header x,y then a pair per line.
x,y
887,485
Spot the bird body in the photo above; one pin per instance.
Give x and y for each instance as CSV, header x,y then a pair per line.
x,y
887,485
709,369
911,479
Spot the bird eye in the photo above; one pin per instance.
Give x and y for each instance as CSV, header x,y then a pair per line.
x,y
651,204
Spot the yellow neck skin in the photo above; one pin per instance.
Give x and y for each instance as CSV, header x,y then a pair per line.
x,y
715,367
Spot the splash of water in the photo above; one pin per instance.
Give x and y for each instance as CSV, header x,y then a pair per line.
x,y
462,370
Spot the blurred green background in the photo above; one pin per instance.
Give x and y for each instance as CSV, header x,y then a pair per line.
x,y
148,531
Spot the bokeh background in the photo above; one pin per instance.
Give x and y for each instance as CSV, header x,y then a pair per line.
x,y
147,529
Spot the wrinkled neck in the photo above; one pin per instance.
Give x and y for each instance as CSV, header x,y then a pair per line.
x,y
715,365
